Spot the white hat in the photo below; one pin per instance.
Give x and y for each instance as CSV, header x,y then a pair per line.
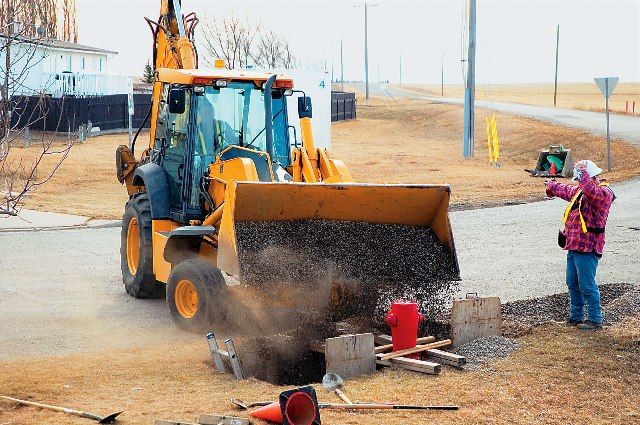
x,y
591,166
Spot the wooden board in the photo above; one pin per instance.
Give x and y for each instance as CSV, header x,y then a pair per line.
x,y
411,364
475,318
446,357
389,347
416,349
382,339
223,420
350,355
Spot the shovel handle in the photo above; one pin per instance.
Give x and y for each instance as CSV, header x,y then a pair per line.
x,y
54,408
343,396
380,406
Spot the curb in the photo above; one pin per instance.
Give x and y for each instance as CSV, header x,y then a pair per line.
x,y
89,224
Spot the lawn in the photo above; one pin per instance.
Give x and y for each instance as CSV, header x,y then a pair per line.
x,y
412,142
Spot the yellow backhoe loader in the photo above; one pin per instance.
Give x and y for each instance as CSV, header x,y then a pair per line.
x,y
220,153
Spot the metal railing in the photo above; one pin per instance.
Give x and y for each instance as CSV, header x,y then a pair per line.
x,y
83,85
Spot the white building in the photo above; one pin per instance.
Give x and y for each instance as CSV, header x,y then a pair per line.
x,y
54,67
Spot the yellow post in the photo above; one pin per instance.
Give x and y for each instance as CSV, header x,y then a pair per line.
x,y
496,140
486,119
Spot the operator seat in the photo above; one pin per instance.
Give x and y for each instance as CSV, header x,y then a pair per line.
x,y
260,161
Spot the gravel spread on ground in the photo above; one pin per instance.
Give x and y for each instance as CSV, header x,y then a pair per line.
x,y
482,350
519,317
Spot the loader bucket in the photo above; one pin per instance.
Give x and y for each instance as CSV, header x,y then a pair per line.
x,y
411,205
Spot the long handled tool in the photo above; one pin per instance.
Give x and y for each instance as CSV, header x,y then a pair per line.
x,y
359,406
333,382
101,420
376,406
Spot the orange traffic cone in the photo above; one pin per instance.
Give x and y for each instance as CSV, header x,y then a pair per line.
x,y
271,413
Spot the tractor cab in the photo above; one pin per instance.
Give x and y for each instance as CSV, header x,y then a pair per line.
x,y
214,120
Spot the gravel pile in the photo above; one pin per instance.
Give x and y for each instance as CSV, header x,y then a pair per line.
x,y
626,305
618,300
484,349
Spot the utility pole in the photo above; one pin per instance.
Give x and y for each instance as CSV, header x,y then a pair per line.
x,y
469,91
555,80
442,76
341,66
400,69
366,49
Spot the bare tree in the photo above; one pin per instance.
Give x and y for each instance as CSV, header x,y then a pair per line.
x,y
223,39
239,42
19,176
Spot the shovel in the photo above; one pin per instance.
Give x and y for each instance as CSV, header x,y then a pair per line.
x,y
333,382
101,420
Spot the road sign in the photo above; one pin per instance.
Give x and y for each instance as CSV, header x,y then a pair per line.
x,y
606,85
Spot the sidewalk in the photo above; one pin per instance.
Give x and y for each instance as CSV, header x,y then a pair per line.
x,y
40,220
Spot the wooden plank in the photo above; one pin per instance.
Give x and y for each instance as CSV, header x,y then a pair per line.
x,y
382,339
446,357
475,318
318,347
350,355
389,347
164,422
411,364
416,349
223,420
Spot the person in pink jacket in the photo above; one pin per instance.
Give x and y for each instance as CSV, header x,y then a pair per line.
x,y
583,238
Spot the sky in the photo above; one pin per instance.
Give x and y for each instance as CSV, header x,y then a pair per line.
x,y
515,39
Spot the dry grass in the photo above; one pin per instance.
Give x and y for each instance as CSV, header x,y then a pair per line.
x,y
413,142
585,96
417,142
560,375
85,184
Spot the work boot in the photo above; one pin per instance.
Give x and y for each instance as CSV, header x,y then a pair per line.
x,y
573,322
590,326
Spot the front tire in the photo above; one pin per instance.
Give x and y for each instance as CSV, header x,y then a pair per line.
x,y
136,253
196,295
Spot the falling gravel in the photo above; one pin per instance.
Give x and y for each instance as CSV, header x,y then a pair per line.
x,y
481,350
326,271
368,265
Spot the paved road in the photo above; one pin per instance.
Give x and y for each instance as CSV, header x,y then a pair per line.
x,y
621,126
61,291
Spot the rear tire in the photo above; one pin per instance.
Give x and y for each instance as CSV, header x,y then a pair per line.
x,y
196,295
136,253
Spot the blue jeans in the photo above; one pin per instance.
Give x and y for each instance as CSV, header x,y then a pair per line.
x,y
581,281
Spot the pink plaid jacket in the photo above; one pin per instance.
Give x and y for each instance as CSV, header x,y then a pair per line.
x,y
594,204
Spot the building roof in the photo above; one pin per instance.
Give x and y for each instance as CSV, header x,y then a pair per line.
x,y
59,44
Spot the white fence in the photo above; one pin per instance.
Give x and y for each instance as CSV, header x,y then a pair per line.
x,y
77,84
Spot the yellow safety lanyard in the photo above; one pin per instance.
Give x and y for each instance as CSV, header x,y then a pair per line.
x,y
572,203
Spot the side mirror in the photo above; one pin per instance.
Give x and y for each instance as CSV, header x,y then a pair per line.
x,y
304,107
177,101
